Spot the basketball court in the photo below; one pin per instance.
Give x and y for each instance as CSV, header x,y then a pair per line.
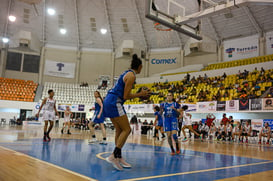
x,y
95,40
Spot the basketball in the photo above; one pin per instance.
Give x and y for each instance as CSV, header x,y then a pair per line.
x,y
143,97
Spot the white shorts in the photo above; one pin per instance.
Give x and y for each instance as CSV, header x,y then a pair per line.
x,y
49,116
67,119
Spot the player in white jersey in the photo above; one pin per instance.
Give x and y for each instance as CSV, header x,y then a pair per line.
x,y
212,131
246,131
237,132
265,132
229,131
67,116
222,131
187,122
49,113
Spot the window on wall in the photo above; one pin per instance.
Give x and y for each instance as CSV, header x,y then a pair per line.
x,y
31,63
14,61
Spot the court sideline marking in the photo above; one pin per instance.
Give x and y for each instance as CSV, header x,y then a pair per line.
x,y
50,164
197,171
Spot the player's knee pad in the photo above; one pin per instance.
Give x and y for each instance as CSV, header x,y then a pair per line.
x,y
175,137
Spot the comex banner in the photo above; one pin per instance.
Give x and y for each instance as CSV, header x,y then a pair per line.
x,y
59,69
164,61
241,48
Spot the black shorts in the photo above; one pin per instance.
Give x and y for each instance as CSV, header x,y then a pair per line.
x,y
244,134
229,134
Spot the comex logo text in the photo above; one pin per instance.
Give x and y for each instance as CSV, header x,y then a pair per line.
x,y
163,61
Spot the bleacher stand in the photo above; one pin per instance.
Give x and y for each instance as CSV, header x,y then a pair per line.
x,y
17,90
68,93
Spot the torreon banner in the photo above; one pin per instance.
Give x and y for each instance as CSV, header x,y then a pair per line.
x,y
164,61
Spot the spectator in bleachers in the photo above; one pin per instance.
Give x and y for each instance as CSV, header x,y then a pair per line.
x,y
270,94
243,95
251,95
188,76
226,94
205,77
255,71
262,71
224,75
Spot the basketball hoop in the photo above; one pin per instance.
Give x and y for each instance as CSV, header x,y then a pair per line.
x,y
160,27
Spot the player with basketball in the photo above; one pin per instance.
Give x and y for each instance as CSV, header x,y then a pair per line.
x,y
113,108
67,116
49,113
171,110
98,119
187,122
158,122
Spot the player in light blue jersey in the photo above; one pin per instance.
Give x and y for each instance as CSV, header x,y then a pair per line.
x,y
171,110
113,108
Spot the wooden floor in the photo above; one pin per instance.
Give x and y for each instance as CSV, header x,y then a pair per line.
x,y
19,166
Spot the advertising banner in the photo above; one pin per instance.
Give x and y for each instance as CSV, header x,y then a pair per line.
x,y
241,48
256,104
221,105
270,122
59,69
268,104
243,104
232,105
256,124
206,106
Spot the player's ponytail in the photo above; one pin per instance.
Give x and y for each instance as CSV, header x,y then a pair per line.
x,y
136,62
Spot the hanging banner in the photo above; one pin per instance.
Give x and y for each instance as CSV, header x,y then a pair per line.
x,y
269,43
243,104
206,106
221,105
241,48
268,104
59,69
232,105
256,104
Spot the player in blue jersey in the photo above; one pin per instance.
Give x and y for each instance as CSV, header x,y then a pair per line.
x,y
158,122
172,111
113,108
98,118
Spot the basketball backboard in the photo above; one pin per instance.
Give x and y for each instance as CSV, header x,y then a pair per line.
x,y
165,13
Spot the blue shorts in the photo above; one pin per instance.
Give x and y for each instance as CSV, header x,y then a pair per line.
x,y
96,120
170,124
113,106
160,123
